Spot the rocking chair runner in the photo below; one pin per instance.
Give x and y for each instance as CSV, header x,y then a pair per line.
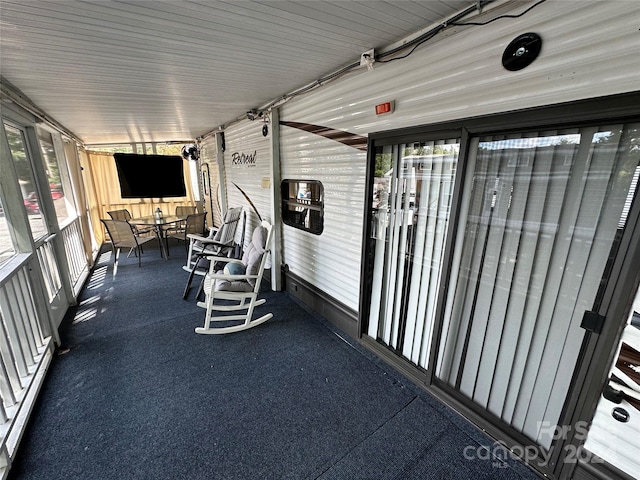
x,y
239,282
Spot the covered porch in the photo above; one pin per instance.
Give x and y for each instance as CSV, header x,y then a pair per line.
x,y
139,395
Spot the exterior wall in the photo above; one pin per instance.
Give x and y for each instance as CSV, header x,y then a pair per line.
x,y
331,260
589,50
247,163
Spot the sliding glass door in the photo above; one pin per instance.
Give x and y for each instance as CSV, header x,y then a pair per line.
x,y
540,217
411,203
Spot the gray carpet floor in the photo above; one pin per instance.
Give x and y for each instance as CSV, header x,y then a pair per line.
x,y
139,395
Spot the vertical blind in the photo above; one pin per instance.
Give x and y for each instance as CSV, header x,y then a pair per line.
x,y
539,218
412,200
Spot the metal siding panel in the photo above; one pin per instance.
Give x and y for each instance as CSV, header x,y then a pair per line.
x,y
330,261
456,77
246,137
462,76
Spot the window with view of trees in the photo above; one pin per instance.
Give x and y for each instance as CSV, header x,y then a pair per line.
x,y
17,146
58,188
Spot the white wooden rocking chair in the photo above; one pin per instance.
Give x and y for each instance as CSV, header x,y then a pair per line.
x,y
237,286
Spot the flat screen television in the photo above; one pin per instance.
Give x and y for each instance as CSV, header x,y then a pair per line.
x,y
150,176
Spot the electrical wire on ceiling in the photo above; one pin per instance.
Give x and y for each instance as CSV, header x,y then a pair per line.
x,y
423,39
312,86
500,17
433,32
412,45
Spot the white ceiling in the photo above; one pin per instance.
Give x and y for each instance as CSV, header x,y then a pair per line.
x,y
155,70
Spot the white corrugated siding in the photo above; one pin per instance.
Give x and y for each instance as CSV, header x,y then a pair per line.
x,y
589,50
246,138
330,261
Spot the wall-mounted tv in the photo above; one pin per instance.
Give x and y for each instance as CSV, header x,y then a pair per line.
x,y
150,176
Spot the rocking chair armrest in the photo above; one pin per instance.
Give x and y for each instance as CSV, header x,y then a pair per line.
x,y
231,278
207,240
195,236
213,257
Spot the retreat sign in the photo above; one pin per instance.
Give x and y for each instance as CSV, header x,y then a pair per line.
x,y
241,159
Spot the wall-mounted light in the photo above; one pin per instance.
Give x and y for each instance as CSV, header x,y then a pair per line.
x,y
252,114
522,51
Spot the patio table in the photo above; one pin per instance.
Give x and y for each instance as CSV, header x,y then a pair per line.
x,y
158,225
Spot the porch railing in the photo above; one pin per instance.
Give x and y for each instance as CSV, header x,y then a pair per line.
x,y
26,350
76,257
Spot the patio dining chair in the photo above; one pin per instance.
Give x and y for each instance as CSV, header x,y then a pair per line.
x,y
122,236
124,214
183,211
193,225
186,210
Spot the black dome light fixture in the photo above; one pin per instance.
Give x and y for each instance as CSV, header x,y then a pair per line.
x,y
522,51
